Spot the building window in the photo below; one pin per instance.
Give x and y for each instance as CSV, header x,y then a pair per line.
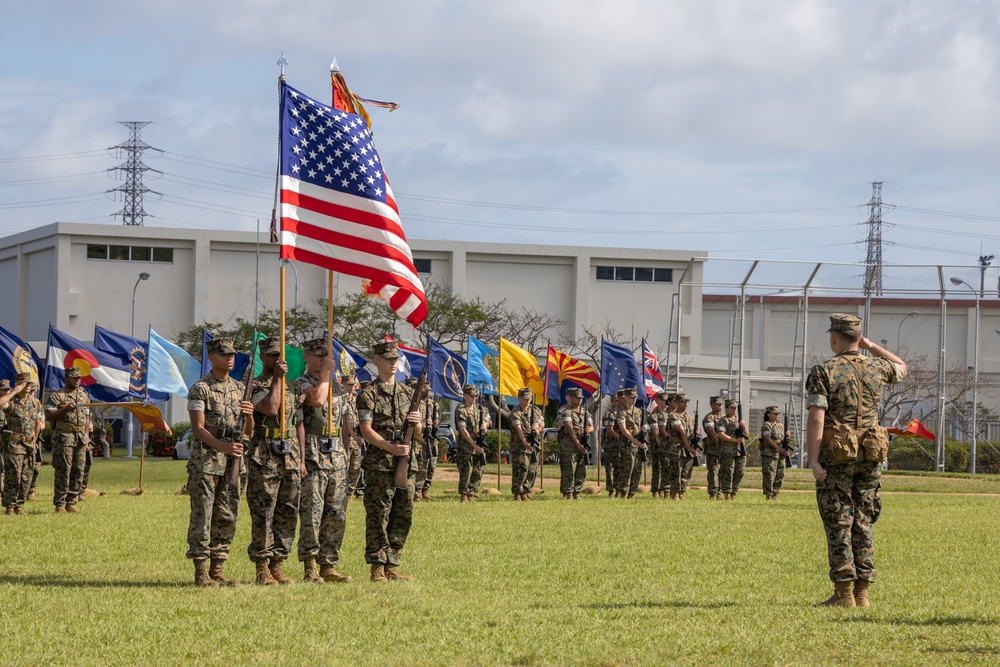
x,y
638,274
423,266
124,253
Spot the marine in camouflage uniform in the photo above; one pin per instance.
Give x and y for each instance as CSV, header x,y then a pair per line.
x,y
4,391
382,409
525,420
668,462
844,394
214,405
352,438
680,431
656,420
472,422
772,456
610,443
629,425
273,468
21,413
427,462
574,423
69,440
732,464
323,500
713,446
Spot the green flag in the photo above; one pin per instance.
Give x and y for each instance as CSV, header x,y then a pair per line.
x,y
296,360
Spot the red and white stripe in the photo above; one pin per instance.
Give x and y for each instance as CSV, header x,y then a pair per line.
x,y
353,235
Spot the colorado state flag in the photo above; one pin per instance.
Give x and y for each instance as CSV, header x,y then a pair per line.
x,y
105,376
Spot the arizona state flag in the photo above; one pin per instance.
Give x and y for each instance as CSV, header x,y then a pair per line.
x,y
563,371
518,368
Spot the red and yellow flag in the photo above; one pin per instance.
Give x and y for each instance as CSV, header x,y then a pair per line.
x,y
913,429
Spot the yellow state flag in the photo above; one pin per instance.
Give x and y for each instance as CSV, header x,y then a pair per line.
x,y
519,368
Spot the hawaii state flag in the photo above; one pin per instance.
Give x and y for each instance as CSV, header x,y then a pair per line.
x,y
563,371
105,376
651,375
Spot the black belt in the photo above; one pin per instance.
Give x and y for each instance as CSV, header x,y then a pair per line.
x,y
222,433
272,433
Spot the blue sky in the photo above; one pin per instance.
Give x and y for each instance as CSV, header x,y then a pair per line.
x,y
746,129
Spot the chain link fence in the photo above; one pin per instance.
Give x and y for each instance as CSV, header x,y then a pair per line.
x,y
753,329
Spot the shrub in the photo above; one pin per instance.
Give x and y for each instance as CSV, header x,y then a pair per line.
x,y
159,443
920,454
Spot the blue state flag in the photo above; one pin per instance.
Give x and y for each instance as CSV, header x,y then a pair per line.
x,y
103,375
171,369
350,362
136,350
446,371
619,370
483,365
16,356
240,362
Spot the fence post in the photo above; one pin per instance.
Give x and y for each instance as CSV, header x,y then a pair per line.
x,y
941,373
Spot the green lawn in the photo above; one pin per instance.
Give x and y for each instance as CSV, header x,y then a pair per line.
x,y
599,582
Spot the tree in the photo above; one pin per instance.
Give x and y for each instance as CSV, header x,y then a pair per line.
x,y
301,324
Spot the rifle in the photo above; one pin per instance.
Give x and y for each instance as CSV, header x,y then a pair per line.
x,y
742,431
585,438
696,439
401,476
786,443
241,421
533,439
641,435
481,438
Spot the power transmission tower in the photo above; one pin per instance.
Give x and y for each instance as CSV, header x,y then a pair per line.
x,y
132,191
873,258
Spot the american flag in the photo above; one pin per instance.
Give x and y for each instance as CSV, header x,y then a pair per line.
x,y
652,377
337,209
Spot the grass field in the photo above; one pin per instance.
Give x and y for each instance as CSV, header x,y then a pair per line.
x,y
595,582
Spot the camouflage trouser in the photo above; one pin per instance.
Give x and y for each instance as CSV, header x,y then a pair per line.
x,y
655,468
388,517
470,472
772,470
612,452
520,461
323,511
273,498
573,470
69,458
732,466
665,462
18,465
38,469
355,478
849,506
681,468
629,469
712,464
425,472
214,508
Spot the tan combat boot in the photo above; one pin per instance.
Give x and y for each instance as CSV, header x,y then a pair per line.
x,y
568,496
425,495
392,574
264,577
31,495
311,575
464,499
277,573
10,511
215,571
19,511
416,497
72,509
861,593
842,596
60,509
378,573
201,577
576,496
331,576
528,496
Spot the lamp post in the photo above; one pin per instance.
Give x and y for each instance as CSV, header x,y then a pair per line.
x,y
975,372
128,444
899,329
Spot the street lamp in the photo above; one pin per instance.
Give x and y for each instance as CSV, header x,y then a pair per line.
x,y
975,372
128,444
142,276
899,329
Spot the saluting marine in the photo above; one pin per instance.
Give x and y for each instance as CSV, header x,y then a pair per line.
x,y
21,413
847,446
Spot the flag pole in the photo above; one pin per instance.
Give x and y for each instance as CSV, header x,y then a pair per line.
x,y
499,413
541,447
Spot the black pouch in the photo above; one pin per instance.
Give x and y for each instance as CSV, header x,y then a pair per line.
x,y
280,447
329,445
